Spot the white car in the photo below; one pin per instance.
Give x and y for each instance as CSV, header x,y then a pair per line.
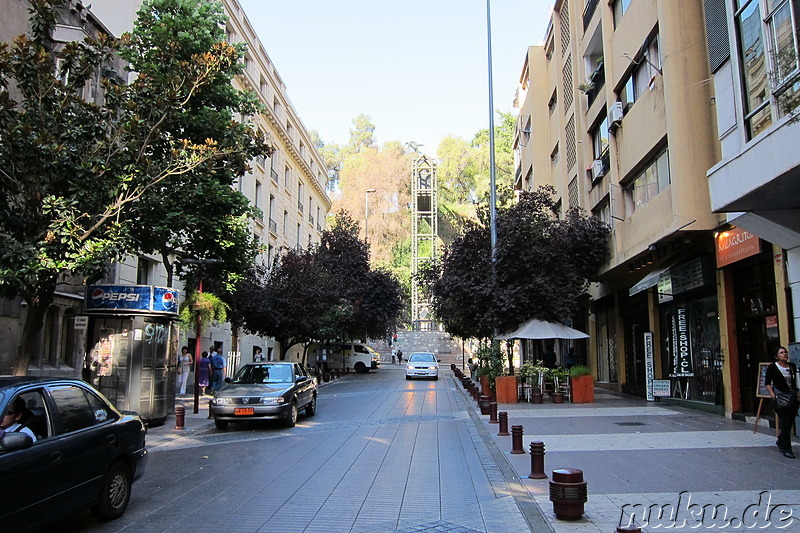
x,y
422,365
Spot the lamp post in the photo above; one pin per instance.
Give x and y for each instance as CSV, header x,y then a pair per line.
x,y
366,213
199,325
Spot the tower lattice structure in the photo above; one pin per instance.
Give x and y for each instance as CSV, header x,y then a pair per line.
x,y
424,235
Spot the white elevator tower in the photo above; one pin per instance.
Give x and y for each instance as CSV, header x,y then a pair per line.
x,y
424,235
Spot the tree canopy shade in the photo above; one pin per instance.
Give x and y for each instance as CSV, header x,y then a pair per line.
x,y
83,183
326,293
542,268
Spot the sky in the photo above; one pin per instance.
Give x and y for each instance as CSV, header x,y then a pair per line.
x,y
417,68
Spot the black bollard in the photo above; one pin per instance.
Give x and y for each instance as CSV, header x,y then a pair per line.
x,y
537,461
503,421
516,440
180,417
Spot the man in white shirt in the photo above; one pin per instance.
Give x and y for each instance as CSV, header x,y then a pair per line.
x,y
13,416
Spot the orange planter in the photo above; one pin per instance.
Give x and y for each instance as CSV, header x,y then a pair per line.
x,y
582,389
506,389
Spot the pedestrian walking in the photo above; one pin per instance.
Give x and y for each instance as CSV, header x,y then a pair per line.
x,y
473,368
394,356
183,367
204,373
217,370
782,384
399,357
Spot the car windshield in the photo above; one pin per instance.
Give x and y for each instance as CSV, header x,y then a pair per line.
x,y
422,358
264,374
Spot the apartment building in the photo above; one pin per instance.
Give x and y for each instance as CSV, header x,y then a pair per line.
x,y
617,113
755,74
289,188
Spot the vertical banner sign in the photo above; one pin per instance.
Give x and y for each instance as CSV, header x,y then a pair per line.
x,y
649,366
682,356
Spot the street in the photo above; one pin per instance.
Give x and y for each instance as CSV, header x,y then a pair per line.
x,y
381,454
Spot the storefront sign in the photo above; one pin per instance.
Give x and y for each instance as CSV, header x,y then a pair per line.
x,y
132,298
734,245
682,345
661,387
649,365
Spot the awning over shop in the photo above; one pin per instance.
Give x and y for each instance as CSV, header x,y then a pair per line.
x,y
541,329
650,280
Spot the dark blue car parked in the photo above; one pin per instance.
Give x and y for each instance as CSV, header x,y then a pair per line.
x,y
86,454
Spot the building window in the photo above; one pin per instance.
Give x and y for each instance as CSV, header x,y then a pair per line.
x,y
753,58
620,7
285,222
572,189
257,199
648,183
554,157
603,211
287,175
551,105
600,139
646,66
143,270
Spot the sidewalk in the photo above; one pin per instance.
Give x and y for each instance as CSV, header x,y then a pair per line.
x,y
644,458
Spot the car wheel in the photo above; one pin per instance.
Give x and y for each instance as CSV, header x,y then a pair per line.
x,y
221,424
311,408
116,493
361,368
408,378
291,418
435,378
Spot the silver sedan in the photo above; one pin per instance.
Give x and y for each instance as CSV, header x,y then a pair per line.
x,y
422,365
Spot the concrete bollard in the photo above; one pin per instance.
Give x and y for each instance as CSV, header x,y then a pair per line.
x,y
180,417
568,493
493,412
516,440
503,421
537,461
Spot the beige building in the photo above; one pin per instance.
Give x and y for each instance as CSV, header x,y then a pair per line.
x,y
617,113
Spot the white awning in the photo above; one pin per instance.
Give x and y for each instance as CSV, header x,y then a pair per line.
x,y
540,329
650,280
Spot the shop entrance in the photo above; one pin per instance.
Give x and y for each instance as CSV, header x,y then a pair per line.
x,y
756,324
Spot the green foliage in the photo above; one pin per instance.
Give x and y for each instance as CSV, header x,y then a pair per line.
x,y
542,268
534,374
579,370
83,183
557,375
205,306
491,361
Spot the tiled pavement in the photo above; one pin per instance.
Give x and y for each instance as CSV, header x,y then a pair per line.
x,y
635,455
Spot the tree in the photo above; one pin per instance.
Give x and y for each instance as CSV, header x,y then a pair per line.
x,y
75,176
542,268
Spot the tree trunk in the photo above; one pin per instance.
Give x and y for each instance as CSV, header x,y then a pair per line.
x,y
34,321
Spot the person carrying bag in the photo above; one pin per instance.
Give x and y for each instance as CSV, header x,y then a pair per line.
x,y
782,384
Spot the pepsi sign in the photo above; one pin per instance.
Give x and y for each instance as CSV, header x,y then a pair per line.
x,y
138,298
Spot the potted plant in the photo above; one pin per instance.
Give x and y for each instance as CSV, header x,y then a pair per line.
x,y
534,375
586,87
557,374
582,384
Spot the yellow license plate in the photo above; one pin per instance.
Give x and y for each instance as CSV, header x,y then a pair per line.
x,y
243,411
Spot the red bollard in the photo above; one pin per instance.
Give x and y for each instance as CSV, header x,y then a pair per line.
x,y
483,403
516,440
180,416
493,412
568,493
537,461
503,421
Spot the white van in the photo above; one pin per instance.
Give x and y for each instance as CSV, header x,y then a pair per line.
x,y
341,355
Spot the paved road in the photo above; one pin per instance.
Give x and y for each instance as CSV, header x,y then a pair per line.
x,y
382,454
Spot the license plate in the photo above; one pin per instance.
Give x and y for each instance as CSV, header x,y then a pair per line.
x,y
243,411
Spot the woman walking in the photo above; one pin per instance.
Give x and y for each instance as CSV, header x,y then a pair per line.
x,y
781,383
183,368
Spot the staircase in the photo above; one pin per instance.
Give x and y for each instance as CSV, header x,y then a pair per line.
x,y
442,344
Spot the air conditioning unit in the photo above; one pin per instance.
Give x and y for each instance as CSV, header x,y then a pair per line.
x,y
616,112
597,169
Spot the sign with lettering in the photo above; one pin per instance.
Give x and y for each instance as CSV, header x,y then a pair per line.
x,y
682,345
132,298
734,245
649,365
661,387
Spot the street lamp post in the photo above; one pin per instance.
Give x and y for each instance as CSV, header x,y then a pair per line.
x,y
366,213
199,325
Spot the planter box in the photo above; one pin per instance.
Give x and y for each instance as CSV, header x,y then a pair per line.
x,y
582,389
485,389
558,397
506,389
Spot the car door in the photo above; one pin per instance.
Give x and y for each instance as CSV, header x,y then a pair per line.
x,y
31,479
303,387
88,441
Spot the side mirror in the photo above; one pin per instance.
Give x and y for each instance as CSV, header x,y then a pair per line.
x,y
11,442
301,379
438,360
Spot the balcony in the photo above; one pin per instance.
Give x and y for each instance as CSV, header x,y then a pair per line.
x,y
273,227
588,12
310,219
598,79
273,175
299,206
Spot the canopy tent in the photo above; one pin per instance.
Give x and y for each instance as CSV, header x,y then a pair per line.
x,y
540,329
